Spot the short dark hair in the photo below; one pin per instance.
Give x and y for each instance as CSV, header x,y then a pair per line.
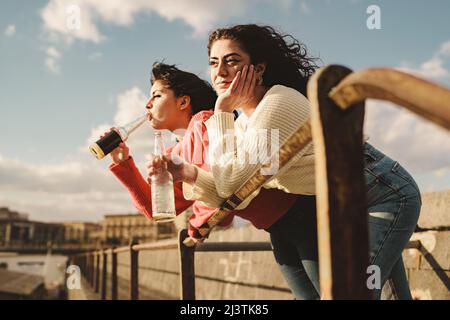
x,y
203,96
287,59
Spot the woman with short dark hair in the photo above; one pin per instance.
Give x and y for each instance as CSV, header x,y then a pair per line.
x,y
181,100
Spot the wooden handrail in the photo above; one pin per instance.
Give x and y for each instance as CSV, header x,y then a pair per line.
x,y
425,98
337,98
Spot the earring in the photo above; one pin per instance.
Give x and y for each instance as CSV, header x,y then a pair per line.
x,y
260,81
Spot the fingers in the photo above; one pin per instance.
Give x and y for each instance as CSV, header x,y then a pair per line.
x,y
124,147
151,169
241,85
150,157
252,87
106,132
173,158
155,163
245,82
234,84
249,80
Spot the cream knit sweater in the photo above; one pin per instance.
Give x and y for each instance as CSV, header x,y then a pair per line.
x,y
281,112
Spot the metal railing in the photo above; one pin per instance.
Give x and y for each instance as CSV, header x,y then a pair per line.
x,y
97,276
89,263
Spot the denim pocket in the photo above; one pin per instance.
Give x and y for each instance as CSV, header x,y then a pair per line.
x,y
381,218
371,179
371,159
401,172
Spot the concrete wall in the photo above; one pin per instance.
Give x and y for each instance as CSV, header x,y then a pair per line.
x,y
429,268
224,275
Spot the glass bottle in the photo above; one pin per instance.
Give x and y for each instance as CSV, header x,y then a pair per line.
x,y
163,198
112,139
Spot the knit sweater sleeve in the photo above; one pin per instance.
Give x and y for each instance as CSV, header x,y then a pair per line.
x,y
232,153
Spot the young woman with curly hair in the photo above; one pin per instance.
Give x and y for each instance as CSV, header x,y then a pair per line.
x,y
264,73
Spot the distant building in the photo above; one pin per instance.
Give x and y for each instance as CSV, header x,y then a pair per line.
x,y
121,228
82,232
6,214
16,229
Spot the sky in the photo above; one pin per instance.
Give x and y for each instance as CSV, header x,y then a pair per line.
x,y
71,69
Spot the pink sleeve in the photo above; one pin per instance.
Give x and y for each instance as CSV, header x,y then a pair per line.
x,y
201,215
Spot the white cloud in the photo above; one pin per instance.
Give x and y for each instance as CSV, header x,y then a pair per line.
x,y
445,48
434,68
10,30
83,188
419,144
73,190
431,69
63,20
53,53
52,60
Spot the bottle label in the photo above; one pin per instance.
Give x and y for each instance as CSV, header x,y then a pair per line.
x,y
106,144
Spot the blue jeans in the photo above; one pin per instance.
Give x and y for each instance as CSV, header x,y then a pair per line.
x,y
394,204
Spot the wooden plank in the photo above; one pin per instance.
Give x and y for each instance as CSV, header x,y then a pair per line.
x,y
420,96
340,188
187,267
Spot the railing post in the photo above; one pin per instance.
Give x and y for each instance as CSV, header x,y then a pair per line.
x,y
134,271
86,267
82,261
341,192
187,268
97,271
92,268
114,291
91,257
104,273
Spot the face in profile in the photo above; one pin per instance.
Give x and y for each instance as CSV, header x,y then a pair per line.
x,y
225,60
162,106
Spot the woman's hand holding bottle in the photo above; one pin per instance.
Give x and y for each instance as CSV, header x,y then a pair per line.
x,y
180,170
119,154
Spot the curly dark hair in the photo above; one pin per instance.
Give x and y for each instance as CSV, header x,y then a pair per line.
x,y
203,96
287,60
